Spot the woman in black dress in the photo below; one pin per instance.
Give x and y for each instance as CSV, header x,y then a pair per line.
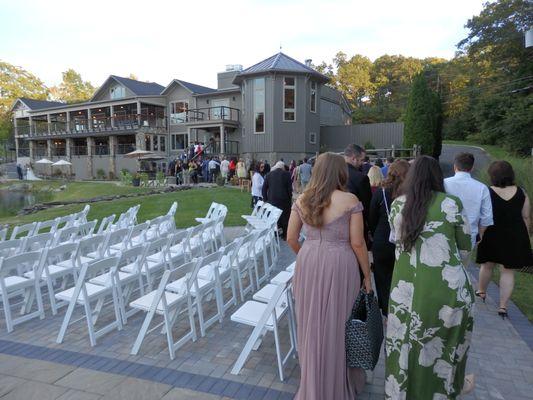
x,y
382,248
507,241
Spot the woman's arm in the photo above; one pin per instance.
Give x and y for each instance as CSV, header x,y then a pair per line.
x,y
357,241
526,212
293,231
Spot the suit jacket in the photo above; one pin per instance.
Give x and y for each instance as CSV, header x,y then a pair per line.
x,y
359,184
277,188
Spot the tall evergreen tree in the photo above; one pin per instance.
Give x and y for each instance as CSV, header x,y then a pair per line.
x,y
420,117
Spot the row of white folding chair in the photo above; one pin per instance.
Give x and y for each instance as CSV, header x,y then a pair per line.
x,y
3,233
265,317
127,218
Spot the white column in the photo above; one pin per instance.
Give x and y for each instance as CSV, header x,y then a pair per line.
x,y
111,112
222,144
138,113
31,144
49,120
31,126
68,122
49,148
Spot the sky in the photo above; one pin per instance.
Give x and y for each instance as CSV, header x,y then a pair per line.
x,y
192,40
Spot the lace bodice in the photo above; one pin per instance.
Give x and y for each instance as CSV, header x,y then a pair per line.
x,y
336,231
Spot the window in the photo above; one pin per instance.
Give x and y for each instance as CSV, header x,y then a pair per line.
x,y
312,100
312,137
178,141
162,143
117,92
156,143
259,105
178,112
289,99
147,143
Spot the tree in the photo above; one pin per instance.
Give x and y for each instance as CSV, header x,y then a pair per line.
x,y
16,82
133,76
353,78
421,117
73,89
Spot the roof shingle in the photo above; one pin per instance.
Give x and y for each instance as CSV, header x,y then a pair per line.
x,y
39,104
140,88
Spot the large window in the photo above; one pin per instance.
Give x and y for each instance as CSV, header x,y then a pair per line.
x,y
178,142
312,99
259,105
178,112
289,99
117,92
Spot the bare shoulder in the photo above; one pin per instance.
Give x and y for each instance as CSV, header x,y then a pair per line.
x,y
345,200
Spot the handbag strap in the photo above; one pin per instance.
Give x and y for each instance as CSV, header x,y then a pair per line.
x,y
385,201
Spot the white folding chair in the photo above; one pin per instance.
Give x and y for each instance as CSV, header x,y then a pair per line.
x,y
243,264
85,293
50,271
3,234
264,317
115,242
172,210
86,229
23,230
178,250
105,224
37,242
208,236
204,290
128,276
209,214
156,260
196,244
13,285
225,276
65,221
11,247
170,305
65,235
47,226
138,234
92,245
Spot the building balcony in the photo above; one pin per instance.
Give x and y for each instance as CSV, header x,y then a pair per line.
x,y
85,127
208,115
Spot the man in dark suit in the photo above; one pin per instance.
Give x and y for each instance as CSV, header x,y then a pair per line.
x,y
277,190
358,183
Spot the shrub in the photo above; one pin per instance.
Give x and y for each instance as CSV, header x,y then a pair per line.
x,y
100,174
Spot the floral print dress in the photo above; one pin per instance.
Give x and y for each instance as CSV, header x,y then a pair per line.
x,y
430,309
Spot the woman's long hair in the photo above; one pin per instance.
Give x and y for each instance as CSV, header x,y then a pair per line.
x,y
329,174
396,176
423,180
375,176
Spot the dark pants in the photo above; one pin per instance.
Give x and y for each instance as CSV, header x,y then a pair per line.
x,y
383,267
283,221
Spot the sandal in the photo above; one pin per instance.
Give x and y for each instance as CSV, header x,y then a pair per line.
x,y
481,295
469,385
503,313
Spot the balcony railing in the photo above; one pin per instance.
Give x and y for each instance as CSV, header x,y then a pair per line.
x,y
125,148
59,151
40,152
221,113
25,152
105,124
78,150
101,150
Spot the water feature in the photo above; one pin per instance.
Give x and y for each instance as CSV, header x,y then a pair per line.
x,y
12,201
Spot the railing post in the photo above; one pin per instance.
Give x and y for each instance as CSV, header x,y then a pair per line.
x,y
112,118
222,139
31,143
89,120
49,148
138,113
68,122
49,122
393,154
31,126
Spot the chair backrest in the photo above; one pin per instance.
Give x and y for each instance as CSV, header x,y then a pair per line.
x,y
89,245
67,234
257,207
167,225
106,223
158,246
173,208
38,242
17,264
10,247
51,225
53,255
134,255
106,266
87,229
212,259
117,237
139,232
65,221
211,210
3,234
23,230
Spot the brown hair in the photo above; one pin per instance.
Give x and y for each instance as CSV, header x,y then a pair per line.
x,y
395,177
329,174
464,162
501,174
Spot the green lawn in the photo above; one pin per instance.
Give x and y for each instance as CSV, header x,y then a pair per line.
x,y
191,203
523,291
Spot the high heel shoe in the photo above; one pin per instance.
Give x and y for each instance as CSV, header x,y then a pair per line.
x,y
469,385
503,313
481,295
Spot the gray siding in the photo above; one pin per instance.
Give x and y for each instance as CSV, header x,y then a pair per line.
x,y
382,135
225,79
105,95
235,99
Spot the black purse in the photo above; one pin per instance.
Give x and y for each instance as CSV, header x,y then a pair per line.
x,y
364,332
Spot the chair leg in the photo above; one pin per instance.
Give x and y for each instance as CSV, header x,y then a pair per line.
x,y
90,322
200,314
192,324
168,330
66,320
278,350
39,298
7,311
142,332
51,295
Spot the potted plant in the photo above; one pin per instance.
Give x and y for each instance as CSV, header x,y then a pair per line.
x,y
136,180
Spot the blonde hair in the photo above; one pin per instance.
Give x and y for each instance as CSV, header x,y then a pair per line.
x,y
375,176
329,174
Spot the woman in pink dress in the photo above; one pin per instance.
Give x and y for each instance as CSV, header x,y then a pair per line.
x,y
327,280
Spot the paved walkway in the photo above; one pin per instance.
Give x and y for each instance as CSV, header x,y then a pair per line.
x,y
33,366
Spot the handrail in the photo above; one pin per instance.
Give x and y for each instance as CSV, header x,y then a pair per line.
x,y
213,114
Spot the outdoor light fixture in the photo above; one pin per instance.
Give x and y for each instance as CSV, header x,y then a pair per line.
x,y
79,112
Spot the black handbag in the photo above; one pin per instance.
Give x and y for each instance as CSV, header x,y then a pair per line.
x,y
364,332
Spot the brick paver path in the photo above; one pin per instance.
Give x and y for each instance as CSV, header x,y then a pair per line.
x,y
33,366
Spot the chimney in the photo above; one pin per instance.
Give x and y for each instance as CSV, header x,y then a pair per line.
x,y
308,62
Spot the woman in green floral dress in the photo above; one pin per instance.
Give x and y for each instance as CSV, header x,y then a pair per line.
x,y
430,309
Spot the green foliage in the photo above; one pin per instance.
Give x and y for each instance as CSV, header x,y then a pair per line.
x,y
421,117
73,89
100,174
369,146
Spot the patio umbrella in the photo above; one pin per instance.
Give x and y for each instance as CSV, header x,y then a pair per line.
x,y
45,161
62,163
138,154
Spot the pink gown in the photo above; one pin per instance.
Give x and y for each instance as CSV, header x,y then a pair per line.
x,y
326,283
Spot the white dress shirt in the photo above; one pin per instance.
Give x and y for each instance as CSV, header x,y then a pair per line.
x,y
257,185
475,197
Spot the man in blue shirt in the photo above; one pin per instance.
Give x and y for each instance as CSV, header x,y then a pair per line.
x,y
385,168
474,195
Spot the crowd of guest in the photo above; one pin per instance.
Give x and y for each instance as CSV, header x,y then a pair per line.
x,y
410,229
